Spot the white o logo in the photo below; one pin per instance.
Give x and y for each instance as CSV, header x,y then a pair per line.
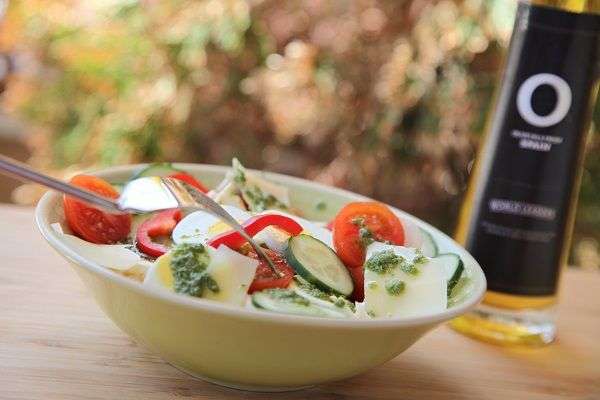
x,y
563,100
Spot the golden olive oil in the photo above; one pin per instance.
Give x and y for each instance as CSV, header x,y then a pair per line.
x,y
518,213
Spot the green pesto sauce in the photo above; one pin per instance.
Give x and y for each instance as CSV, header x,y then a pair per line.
x,y
259,201
365,234
314,291
409,268
383,262
188,266
395,286
310,289
239,173
386,261
321,206
420,258
340,302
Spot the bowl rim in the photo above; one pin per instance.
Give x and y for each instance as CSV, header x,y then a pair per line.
x,y
50,198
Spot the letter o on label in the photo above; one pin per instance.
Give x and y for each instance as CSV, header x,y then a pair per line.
x,y
563,99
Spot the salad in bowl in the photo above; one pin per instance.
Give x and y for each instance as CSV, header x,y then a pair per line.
x,y
365,263
355,283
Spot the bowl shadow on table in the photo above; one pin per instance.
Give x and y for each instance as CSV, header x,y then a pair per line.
x,y
405,379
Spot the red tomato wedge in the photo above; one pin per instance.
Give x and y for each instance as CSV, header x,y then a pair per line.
x,y
91,224
265,278
190,180
358,278
161,224
376,219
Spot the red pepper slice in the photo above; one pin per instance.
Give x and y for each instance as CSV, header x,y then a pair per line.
x,y
190,180
252,226
161,224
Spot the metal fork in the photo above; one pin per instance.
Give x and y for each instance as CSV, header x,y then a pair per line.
x,y
138,196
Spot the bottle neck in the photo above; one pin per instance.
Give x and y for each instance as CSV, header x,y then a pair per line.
x,y
576,6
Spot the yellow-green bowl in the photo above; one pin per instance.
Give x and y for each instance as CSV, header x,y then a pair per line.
x,y
249,349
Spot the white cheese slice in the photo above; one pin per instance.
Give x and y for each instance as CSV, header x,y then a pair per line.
x,y
423,294
115,256
233,272
253,187
279,192
227,194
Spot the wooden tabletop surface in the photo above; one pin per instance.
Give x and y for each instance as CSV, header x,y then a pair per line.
x,y
55,343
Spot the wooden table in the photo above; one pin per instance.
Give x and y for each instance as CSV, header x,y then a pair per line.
x,y
55,343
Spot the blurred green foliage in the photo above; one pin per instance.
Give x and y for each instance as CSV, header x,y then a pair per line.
x,y
387,98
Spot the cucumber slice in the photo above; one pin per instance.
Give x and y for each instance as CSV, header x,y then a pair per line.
x,y
157,169
286,301
320,298
318,264
454,268
429,248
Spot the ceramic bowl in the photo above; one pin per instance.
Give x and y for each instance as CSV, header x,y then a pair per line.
x,y
248,349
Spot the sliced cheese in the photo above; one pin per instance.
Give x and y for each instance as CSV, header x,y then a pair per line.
x,y
423,294
227,194
114,256
233,272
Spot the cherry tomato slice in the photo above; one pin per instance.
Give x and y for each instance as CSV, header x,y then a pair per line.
x,y
375,218
265,278
190,180
161,224
91,224
358,278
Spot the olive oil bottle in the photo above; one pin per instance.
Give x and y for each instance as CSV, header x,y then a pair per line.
x,y
518,213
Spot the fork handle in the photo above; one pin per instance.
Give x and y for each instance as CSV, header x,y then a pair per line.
x,y
23,172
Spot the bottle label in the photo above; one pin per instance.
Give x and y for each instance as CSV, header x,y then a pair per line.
x,y
530,160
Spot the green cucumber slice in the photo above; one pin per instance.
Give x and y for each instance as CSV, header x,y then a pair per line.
x,y
429,248
454,268
318,264
321,298
286,301
156,169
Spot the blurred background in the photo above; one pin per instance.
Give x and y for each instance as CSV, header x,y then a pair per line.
x,y
386,98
